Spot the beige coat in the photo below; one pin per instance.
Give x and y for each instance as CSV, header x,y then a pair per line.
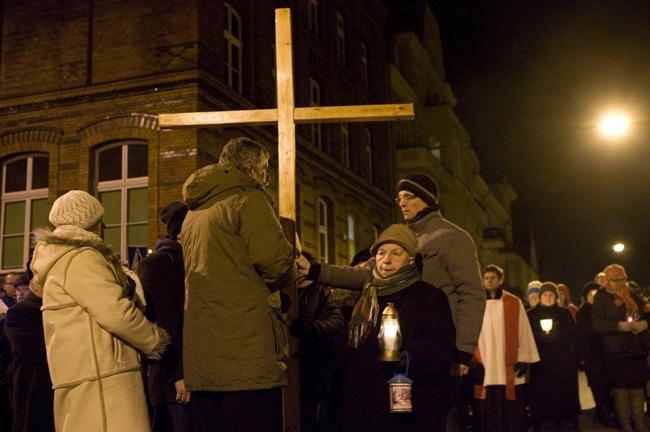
x,y
93,332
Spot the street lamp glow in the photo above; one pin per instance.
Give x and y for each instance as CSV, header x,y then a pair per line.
x,y
618,247
614,125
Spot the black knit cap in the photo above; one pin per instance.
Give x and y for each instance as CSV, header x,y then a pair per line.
x,y
173,215
549,286
421,185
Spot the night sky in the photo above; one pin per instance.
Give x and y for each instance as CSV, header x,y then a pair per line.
x,y
532,78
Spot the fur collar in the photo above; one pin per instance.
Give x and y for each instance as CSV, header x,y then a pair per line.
x,y
76,238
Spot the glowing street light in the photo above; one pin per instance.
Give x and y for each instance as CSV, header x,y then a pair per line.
x,y
614,125
618,247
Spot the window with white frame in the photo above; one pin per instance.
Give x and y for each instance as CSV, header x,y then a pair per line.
x,y
345,145
340,37
234,45
322,231
313,17
364,66
368,151
122,186
314,101
25,181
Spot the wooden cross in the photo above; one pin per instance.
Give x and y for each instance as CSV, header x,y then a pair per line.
x,y
287,116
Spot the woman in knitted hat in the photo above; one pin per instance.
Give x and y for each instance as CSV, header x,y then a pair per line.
x,y
553,388
621,316
94,332
532,294
428,338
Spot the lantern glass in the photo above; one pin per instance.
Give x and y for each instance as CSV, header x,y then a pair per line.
x,y
547,324
390,335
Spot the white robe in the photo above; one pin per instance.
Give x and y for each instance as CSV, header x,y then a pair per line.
x,y
491,343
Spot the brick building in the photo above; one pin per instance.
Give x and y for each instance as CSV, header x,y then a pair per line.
x,y
83,81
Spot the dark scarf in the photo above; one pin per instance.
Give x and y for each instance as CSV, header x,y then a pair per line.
x,y
364,314
425,211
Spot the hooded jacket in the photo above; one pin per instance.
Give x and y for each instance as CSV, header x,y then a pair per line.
x,y
93,332
235,255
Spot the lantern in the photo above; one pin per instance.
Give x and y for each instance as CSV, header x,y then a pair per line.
x,y
547,325
390,336
399,388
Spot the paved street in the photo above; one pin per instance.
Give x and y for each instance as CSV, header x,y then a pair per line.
x,y
587,403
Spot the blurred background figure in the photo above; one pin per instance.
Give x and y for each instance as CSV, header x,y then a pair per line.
x,y
553,389
162,274
319,320
33,397
532,294
589,348
620,316
565,298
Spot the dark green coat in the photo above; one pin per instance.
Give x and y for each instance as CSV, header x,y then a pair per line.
x,y
235,256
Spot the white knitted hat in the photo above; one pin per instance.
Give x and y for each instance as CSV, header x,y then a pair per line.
x,y
76,208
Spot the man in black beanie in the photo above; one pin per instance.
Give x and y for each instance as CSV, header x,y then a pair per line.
x,y
450,261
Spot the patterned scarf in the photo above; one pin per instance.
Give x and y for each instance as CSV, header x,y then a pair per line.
x,y
364,314
623,296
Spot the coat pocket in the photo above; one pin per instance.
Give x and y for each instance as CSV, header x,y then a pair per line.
x,y
281,338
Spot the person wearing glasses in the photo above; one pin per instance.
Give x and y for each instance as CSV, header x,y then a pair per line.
x,y
10,288
450,262
621,316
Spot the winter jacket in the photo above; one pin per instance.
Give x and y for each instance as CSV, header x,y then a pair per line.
x,y
235,255
33,395
428,336
93,332
553,387
450,263
625,353
162,274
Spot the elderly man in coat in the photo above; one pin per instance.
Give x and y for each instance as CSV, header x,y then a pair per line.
x,y
236,260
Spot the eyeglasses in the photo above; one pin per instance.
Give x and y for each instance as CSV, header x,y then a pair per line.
x,y
617,280
404,197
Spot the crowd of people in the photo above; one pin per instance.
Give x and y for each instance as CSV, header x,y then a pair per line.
x,y
197,337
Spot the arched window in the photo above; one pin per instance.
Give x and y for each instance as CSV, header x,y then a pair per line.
x,y
122,186
25,181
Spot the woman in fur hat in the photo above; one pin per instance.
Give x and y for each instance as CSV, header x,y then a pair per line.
x,y
93,329
428,337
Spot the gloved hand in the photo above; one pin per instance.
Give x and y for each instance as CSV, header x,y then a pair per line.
x,y
521,368
300,328
624,326
639,326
